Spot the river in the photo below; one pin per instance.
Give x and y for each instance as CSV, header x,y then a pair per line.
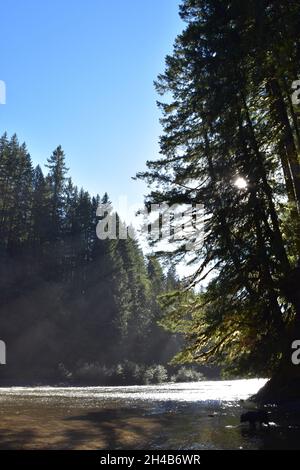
x,y
199,415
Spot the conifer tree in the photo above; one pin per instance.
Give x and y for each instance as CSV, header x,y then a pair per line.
x,y
67,298
230,119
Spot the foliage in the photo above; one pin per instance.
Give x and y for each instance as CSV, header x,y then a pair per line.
x,y
126,373
187,374
66,296
229,115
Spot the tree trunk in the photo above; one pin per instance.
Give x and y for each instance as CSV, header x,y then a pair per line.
x,y
289,156
284,385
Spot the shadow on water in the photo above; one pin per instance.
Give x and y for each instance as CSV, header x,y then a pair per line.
x,y
121,419
14,439
187,427
281,437
118,428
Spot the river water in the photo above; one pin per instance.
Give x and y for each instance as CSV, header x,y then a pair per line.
x,y
199,415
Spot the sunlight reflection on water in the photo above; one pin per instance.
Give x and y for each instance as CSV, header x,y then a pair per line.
x,y
197,415
228,391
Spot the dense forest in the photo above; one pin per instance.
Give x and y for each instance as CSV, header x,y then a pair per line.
x,y
73,308
231,142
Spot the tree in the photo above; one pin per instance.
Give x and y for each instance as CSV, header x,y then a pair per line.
x,y
57,180
69,301
230,117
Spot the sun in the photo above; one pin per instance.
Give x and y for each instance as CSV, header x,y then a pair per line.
x,y
241,183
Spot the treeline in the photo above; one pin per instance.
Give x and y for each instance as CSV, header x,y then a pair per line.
x,y
72,306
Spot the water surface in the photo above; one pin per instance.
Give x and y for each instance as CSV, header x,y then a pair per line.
x,y
199,415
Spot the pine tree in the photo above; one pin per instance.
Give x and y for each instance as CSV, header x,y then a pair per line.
x,y
139,288
57,180
67,298
230,117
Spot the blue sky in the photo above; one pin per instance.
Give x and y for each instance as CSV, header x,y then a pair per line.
x,y
80,73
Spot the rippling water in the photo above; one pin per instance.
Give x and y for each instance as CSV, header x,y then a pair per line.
x,y
200,415
183,392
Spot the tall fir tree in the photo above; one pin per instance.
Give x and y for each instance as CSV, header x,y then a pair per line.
x,y
231,120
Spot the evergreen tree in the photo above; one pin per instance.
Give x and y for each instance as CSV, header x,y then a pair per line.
x,y
57,180
231,119
68,300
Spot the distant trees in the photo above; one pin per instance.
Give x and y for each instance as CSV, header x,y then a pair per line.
x,y
70,302
231,116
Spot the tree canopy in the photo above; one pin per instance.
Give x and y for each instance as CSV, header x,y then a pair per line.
x,y
231,142
69,301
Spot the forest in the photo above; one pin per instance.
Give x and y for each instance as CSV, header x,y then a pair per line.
x,y
74,309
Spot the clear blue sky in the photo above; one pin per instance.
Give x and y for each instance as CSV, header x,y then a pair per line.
x,y
80,73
